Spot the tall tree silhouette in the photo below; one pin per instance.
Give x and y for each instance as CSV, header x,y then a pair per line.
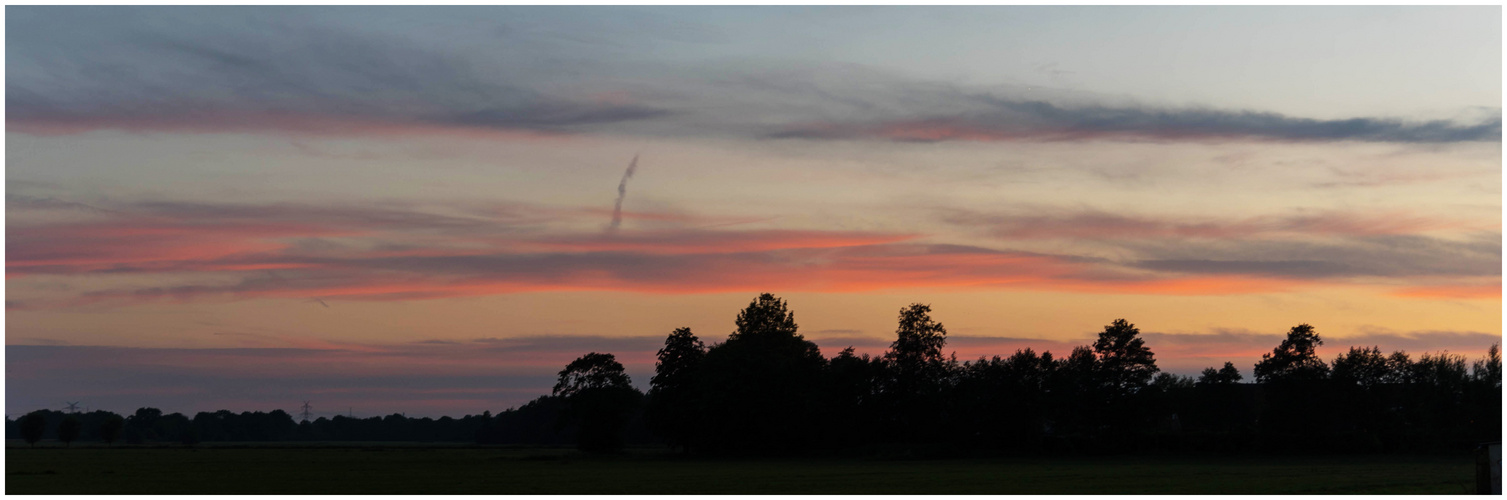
x,y
673,404
917,350
1127,365
600,398
1294,359
762,386
918,373
1301,408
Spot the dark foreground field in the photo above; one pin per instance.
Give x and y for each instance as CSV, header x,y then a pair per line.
x,y
421,469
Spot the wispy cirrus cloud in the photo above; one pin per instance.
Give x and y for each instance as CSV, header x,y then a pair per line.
x,y
1372,256
181,236
169,246
1002,119
858,268
15,201
1089,224
313,71
250,70
1443,258
237,252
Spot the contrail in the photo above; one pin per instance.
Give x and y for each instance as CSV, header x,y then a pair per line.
x,y
622,190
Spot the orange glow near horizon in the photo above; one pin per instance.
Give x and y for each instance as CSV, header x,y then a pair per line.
x,y
1443,292
187,189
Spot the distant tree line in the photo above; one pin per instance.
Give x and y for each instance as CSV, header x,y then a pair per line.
x,y
150,425
768,390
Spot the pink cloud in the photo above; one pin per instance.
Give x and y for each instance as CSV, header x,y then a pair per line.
x,y
395,254
148,245
711,241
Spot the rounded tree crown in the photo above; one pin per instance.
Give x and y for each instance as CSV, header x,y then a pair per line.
x,y
765,318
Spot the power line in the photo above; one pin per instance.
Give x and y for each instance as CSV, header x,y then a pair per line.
x,y
306,411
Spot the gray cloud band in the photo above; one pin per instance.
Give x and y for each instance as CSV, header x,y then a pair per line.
x,y
208,70
1378,256
1005,120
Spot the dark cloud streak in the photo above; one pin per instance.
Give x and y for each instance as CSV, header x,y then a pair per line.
x,y
1373,256
1024,120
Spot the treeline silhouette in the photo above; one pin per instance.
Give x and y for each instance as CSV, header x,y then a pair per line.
x,y
768,390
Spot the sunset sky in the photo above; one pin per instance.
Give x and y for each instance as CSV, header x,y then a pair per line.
x,y
412,210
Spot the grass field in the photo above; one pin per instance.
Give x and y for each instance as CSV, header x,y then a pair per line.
x,y
412,469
